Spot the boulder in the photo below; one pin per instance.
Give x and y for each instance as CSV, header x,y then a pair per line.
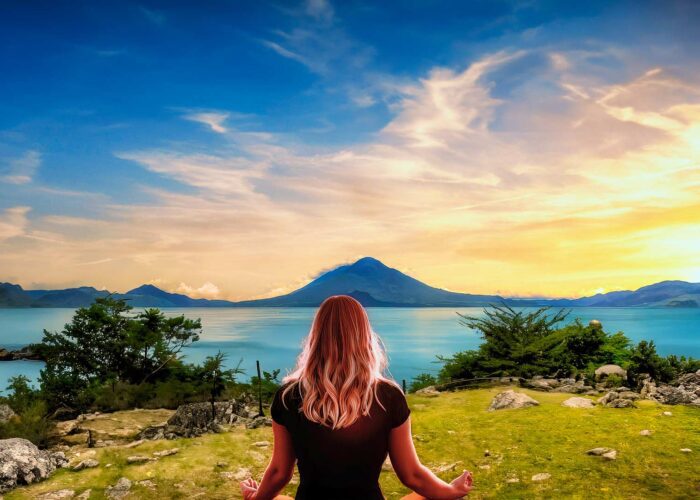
x,y
606,370
606,453
512,399
195,419
259,422
21,463
430,392
119,490
614,399
577,402
86,464
6,413
687,390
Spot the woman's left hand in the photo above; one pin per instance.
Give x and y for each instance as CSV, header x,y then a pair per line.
x,y
249,488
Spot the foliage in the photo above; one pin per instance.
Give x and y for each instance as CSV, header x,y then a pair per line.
x,y
421,381
105,345
269,384
216,377
32,421
523,344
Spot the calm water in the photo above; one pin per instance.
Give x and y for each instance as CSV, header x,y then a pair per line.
x,y
412,336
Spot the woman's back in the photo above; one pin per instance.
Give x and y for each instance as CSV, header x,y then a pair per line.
x,y
346,462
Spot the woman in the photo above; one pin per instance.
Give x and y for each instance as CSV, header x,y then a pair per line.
x,y
337,416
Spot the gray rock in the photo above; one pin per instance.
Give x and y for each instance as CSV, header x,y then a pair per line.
x,y
86,464
261,444
119,490
138,459
577,402
606,453
686,450
645,432
542,476
56,495
430,392
6,413
21,463
84,495
259,422
606,370
511,399
621,403
166,453
667,414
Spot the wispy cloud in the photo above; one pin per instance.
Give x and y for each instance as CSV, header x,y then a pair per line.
x,y
13,222
21,170
213,119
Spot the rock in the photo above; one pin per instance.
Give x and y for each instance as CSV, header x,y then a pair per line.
x,y
606,453
56,495
23,463
84,495
577,402
430,392
147,483
598,451
195,419
512,399
222,464
86,464
645,432
606,370
485,467
138,459
667,414
166,453
119,490
621,403
686,450
487,453
242,474
512,480
387,465
614,399
542,476
6,413
226,475
261,444
259,422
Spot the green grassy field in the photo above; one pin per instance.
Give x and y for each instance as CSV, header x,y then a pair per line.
x,y
452,428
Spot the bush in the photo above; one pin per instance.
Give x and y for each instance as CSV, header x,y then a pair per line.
x,y
421,381
33,424
612,381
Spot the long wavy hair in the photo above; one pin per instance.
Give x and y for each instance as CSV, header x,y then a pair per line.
x,y
341,361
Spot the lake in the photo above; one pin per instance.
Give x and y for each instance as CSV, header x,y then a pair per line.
x,y
413,336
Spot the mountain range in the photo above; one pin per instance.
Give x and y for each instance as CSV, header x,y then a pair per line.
x,y
369,281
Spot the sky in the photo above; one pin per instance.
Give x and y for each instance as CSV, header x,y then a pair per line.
x,y
239,149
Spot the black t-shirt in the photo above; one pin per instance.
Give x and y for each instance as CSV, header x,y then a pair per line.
x,y
343,463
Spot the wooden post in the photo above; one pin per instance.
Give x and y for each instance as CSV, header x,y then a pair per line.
x,y
403,383
257,362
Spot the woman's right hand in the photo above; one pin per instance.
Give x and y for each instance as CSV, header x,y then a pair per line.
x,y
463,483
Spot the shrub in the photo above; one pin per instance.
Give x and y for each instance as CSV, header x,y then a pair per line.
x,y
420,381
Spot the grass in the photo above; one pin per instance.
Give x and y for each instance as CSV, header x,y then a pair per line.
x,y
454,427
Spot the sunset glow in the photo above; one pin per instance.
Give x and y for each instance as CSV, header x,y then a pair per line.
x,y
531,156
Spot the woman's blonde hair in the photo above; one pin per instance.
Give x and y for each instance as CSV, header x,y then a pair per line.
x,y
340,364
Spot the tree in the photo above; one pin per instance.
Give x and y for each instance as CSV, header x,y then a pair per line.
x,y
105,344
216,377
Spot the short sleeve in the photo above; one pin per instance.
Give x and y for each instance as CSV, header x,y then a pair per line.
x,y
277,409
399,411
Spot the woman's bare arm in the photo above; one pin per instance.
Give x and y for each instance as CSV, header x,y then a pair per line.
x,y
281,467
411,472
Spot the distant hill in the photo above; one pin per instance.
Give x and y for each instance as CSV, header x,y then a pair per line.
x,y
370,282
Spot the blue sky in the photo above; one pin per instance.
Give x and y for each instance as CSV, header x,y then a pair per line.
x,y
115,116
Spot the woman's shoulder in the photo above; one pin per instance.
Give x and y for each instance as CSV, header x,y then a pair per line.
x,y
389,389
